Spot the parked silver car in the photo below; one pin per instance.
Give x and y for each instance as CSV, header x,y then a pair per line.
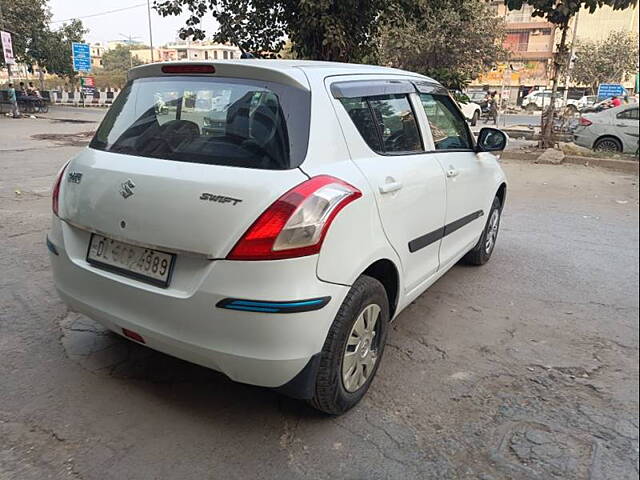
x,y
612,130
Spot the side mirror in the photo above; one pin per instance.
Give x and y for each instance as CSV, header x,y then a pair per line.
x,y
491,140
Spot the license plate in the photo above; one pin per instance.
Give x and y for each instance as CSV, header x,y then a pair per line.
x,y
144,264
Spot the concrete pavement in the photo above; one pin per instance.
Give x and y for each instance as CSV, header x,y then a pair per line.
x,y
526,368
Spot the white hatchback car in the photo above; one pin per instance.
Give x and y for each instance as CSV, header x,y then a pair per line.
x,y
277,242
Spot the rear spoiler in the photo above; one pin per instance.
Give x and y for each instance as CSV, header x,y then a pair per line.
x,y
246,68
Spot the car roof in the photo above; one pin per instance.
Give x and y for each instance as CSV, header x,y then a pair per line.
x,y
293,72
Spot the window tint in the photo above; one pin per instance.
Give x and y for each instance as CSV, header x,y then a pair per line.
x,y
360,113
631,114
211,121
448,126
397,122
386,122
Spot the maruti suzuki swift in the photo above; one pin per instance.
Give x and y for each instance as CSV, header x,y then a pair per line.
x,y
269,219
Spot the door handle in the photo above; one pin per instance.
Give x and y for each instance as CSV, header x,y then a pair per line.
x,y
620,125
452,172
390,187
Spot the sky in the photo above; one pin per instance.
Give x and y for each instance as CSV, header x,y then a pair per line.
x,y
116,25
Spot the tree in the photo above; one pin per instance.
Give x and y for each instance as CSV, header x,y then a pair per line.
x,y
339,30
606,61
120,59
560,13
52,50
452,41
27,21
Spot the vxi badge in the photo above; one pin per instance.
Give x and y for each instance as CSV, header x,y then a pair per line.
x,y
219,198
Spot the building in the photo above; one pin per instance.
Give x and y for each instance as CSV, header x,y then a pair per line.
x,y
204,51
598,25
97,50
161,54
530,42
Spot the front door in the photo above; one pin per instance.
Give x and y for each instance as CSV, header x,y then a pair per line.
x,y
469,176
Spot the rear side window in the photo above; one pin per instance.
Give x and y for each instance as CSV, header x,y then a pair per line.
x,y
448,126
386,122
216,121
631,114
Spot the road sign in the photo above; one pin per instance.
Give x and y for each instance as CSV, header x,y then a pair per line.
x,y
81,57
88,86
7,48
608,90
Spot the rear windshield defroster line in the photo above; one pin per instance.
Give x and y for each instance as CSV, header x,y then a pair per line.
x,y
214,121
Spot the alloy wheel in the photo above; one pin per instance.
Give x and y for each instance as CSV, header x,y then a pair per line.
x,y
361,352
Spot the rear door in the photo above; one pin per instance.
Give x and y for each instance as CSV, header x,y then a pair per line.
x,y
628,122
187,163
379,121
469,176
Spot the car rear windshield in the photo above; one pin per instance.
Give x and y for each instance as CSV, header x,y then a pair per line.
x,y
215,121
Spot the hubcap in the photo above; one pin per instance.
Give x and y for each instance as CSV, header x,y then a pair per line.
x,y
361,352
607,146
492,231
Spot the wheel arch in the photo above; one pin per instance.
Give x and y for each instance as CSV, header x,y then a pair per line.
x,y
502,194
386,272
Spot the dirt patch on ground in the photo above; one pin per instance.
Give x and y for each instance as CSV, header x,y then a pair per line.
x,y
66,139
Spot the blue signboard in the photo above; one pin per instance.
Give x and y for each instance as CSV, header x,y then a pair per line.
x,y
81,57
608,90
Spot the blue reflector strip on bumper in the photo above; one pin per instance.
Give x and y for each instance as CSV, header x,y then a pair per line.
x,y
274,307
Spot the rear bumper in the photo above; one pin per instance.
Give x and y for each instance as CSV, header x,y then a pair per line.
x,y
259,348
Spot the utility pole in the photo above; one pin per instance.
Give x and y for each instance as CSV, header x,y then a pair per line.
x,y
130,44
150,34
570,62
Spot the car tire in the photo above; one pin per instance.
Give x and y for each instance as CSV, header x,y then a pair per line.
x,y
531,107
481,253
333,394
474,118
607,144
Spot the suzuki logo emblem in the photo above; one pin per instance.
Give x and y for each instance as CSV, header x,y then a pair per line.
x,y
126,188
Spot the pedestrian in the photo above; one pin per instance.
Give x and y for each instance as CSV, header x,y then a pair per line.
x,y
13,101
616,102
493,107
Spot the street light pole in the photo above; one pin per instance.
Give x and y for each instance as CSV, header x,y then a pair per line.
x,y
150,34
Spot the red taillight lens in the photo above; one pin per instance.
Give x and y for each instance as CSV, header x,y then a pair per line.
x,y
585,122
188,69
295,225
55,194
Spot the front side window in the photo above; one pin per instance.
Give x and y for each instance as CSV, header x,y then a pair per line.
x,y
205,120
448,126
386,122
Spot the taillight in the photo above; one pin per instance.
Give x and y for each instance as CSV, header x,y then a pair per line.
x,y
55,194
188,69
585,122
295,225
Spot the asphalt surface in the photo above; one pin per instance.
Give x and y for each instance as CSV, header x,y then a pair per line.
x,y
525,368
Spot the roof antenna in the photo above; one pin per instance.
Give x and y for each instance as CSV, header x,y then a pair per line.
x,y
243,53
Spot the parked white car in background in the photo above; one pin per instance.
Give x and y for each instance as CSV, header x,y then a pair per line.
x,y
471,111
538,99
277,246
612,130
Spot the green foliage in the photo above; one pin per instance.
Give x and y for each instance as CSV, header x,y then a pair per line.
x,y
339,30
53,50
606,61
119,59
452,41
28,22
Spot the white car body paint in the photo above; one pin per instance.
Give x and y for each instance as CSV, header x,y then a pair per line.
x,y
166,213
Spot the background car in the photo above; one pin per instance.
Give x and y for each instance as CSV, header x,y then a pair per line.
x,y
612,130
587,101
539,99
471,111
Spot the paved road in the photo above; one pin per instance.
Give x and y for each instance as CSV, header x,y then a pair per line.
x,y
526,368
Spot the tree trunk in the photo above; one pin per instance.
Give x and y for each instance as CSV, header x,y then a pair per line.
x,y
546,137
